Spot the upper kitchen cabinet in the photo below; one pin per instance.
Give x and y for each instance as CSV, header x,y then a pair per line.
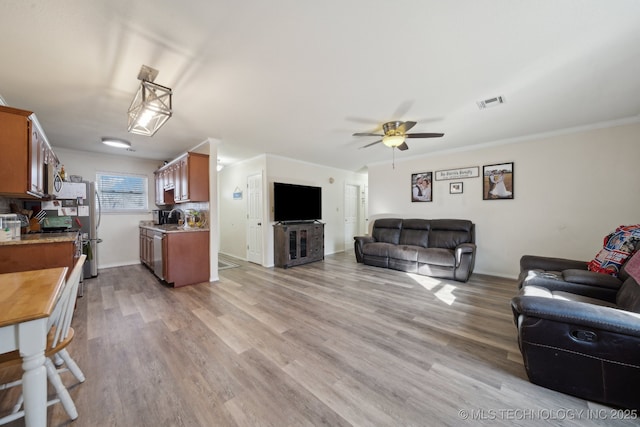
x,y
185,179
27,157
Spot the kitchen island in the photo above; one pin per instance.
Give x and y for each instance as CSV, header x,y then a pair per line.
x,y
177,255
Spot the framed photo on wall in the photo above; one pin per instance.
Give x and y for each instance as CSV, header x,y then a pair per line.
x,y
455,188
421,187
497,181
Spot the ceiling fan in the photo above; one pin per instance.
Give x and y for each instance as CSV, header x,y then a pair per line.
x,y
395,134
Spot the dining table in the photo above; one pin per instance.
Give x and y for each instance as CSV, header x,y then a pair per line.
x,y
27,299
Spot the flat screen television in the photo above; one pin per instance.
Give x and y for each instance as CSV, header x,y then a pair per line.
x,y
293,202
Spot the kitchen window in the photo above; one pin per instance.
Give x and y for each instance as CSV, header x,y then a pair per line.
x,y
124,193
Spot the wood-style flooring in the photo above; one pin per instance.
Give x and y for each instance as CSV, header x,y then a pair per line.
x,y
332,343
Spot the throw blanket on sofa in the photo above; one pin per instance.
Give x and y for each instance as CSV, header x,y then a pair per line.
x,y
618,247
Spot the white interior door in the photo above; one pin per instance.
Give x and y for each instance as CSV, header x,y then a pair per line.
x,y
350,214
254,218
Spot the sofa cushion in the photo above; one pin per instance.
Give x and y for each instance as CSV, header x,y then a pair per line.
x,y
585,277
415,232
437,256
379,249
404,252
449,233
618,247
387,230
537,291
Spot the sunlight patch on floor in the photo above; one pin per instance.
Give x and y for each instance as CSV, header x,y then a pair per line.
x,y
444,293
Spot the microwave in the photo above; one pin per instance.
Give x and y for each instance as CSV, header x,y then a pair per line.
x,y
161,216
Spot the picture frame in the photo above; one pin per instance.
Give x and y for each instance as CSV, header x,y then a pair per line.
x,y
498,181
455,188
421,185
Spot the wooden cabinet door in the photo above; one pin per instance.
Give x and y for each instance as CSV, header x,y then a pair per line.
x,y
184,178
159,181
14,162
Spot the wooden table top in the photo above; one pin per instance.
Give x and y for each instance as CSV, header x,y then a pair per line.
x,y
29,295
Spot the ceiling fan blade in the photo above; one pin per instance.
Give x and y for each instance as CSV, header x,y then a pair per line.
x,y
370,144
405,126
367,134
403,146
424,135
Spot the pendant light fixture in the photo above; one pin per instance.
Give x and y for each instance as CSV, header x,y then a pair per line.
x,y
151,106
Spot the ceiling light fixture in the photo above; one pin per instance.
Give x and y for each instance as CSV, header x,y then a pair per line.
x,y
151,106
116,142
392,140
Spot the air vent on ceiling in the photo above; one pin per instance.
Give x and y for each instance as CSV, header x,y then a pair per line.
x,y
491,102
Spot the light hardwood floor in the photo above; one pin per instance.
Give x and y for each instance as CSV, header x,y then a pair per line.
x,y
331,343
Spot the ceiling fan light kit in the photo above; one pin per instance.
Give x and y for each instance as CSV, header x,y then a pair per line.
x,y
151,107
393,140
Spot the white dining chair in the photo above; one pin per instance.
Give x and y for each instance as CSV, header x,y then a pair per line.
x,y
60,335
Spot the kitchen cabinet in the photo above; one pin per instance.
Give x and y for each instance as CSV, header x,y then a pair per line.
x,y
185,179
26,155
181,258
186,257
299,243
38,251
159,181
146,247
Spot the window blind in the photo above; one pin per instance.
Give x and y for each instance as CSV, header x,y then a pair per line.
x,y
122,192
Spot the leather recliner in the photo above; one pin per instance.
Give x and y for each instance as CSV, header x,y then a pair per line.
x,y
568,275
580,344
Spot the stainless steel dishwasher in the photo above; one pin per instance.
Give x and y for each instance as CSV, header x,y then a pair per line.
x,y
157,254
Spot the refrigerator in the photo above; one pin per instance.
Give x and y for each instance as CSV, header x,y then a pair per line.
x,y
76,207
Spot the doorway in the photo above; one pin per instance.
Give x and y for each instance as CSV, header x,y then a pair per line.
x,y
254,218
351,217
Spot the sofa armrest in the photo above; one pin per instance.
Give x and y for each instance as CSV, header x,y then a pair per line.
x,y
465,254
358,243
577,314
534,262
464,248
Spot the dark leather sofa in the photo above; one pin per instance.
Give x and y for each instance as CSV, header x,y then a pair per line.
x,y
568,275
585,342
443,248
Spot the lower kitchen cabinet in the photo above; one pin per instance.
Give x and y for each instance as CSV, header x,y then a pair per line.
x,y
179,258
186,257
39,251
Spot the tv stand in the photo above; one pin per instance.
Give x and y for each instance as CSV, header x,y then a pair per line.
x,y
298,243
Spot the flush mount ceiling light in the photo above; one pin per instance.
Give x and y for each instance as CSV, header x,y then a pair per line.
x,y
116,142
151,107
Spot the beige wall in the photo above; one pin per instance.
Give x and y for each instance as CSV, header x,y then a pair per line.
x,y
119,232
570,191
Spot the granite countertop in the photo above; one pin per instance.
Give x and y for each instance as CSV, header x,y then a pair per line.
x,y
26,239
170,228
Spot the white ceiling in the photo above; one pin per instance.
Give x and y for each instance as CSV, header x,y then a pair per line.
x,y
297,78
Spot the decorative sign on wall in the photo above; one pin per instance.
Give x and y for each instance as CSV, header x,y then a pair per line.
x,y
237,194
461,173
